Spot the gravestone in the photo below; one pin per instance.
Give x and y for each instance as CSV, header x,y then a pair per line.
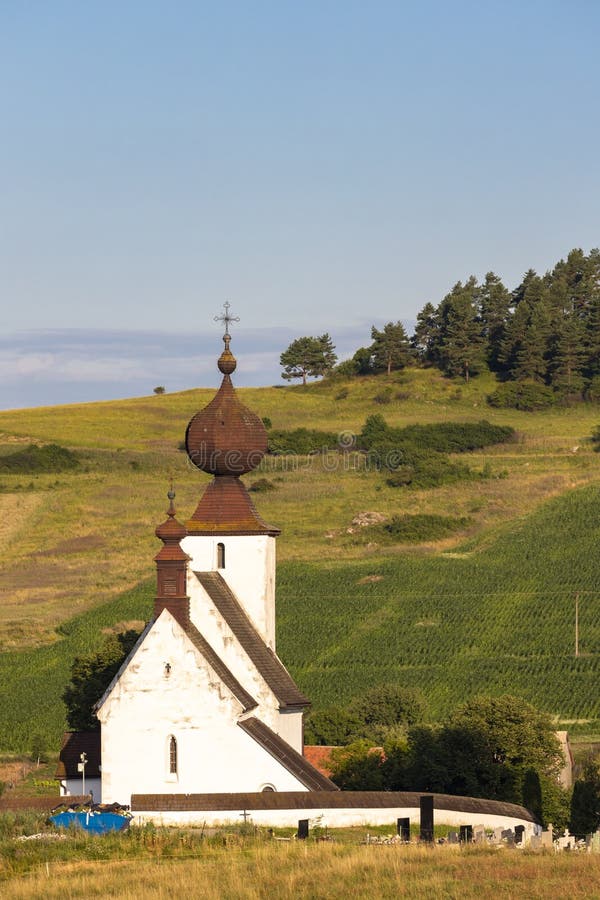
x,y
519,829
508,835
535,841
426,828
453,837
403,828
302,829
497,836
466,834
479,834
548,838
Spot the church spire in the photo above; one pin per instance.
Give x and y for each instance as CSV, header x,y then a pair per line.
x,y
171,567
226,439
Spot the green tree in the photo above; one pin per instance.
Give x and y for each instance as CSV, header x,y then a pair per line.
x,y
90,676
308,357
39,749
358,767
425,339
568,355
461,344
391,704
332,726
494,309
585,800
390,348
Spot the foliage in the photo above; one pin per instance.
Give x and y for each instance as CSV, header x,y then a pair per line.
x,y
90,676
267,422
159,389
391,704
48,458
39,749
418,527
383,397
525,395
585,800
301,441
308,357
390,349
332,726
262,485
358,767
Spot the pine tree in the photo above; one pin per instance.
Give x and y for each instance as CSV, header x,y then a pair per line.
x,y
425,338
308,356
568,355
494,310
390,348
461,344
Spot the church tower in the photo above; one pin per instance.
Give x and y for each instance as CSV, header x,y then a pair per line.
x,y
203,704
226,534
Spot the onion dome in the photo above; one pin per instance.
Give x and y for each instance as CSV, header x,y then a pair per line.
x,y
226,438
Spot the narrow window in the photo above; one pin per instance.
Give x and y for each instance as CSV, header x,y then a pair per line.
x,y
220,556
173,756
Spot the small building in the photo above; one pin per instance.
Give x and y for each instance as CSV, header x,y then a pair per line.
x,y
73,780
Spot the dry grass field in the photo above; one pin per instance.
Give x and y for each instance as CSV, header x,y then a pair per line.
x,y
318,871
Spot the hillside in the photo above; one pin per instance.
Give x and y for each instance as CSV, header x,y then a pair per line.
x,y
490,608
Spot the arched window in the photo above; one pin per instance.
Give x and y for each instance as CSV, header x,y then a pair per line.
x,y
172,755
220,556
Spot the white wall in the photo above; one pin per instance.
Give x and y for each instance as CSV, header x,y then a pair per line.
x,y
333,818
72,787
249,571
190,703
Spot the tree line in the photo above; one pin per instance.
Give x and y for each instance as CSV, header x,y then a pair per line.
x,y
546,332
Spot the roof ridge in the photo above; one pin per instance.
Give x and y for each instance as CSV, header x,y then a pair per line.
x,y
264,658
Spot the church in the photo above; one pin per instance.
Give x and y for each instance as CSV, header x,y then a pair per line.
x,y
203,722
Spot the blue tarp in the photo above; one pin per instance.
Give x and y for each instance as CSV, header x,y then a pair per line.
x,y
94,822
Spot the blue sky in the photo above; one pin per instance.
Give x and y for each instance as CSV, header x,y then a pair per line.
x,y
322,165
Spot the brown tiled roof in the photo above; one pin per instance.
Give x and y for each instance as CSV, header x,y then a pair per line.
x,y
216,663
323,800
74,743
226,438
266,661
227,508
280,750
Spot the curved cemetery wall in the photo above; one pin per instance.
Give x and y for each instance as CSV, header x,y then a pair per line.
x,y
338,808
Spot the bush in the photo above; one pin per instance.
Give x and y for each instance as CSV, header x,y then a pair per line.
x,y
592,390
525,395
384,396
456,437
343,394
50,458
301,441
267,422
412,529
262,486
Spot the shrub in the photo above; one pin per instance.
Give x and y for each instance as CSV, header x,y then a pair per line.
x,y
159,389
50,458
343,394
456,437
262,486
413,529
301,441
267,422
525,395
384,396
592,391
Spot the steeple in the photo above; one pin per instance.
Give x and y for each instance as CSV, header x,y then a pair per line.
x,y
226,439
171,568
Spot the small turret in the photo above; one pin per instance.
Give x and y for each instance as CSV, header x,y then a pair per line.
x,y
171,568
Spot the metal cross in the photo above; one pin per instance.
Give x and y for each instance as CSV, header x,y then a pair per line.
x,y
226,318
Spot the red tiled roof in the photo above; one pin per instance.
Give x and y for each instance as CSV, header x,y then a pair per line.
x,y
227,508
319,757
267,663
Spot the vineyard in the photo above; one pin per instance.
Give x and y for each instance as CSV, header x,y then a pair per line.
x,y
486,605
495,619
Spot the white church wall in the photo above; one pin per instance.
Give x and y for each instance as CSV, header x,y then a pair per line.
x,y
249,571
332,818
290,727
147,706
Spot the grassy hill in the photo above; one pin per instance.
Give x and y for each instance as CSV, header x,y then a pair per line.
x,y
490,608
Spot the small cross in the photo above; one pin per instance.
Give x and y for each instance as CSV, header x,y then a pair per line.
x,y
226,318
246,815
